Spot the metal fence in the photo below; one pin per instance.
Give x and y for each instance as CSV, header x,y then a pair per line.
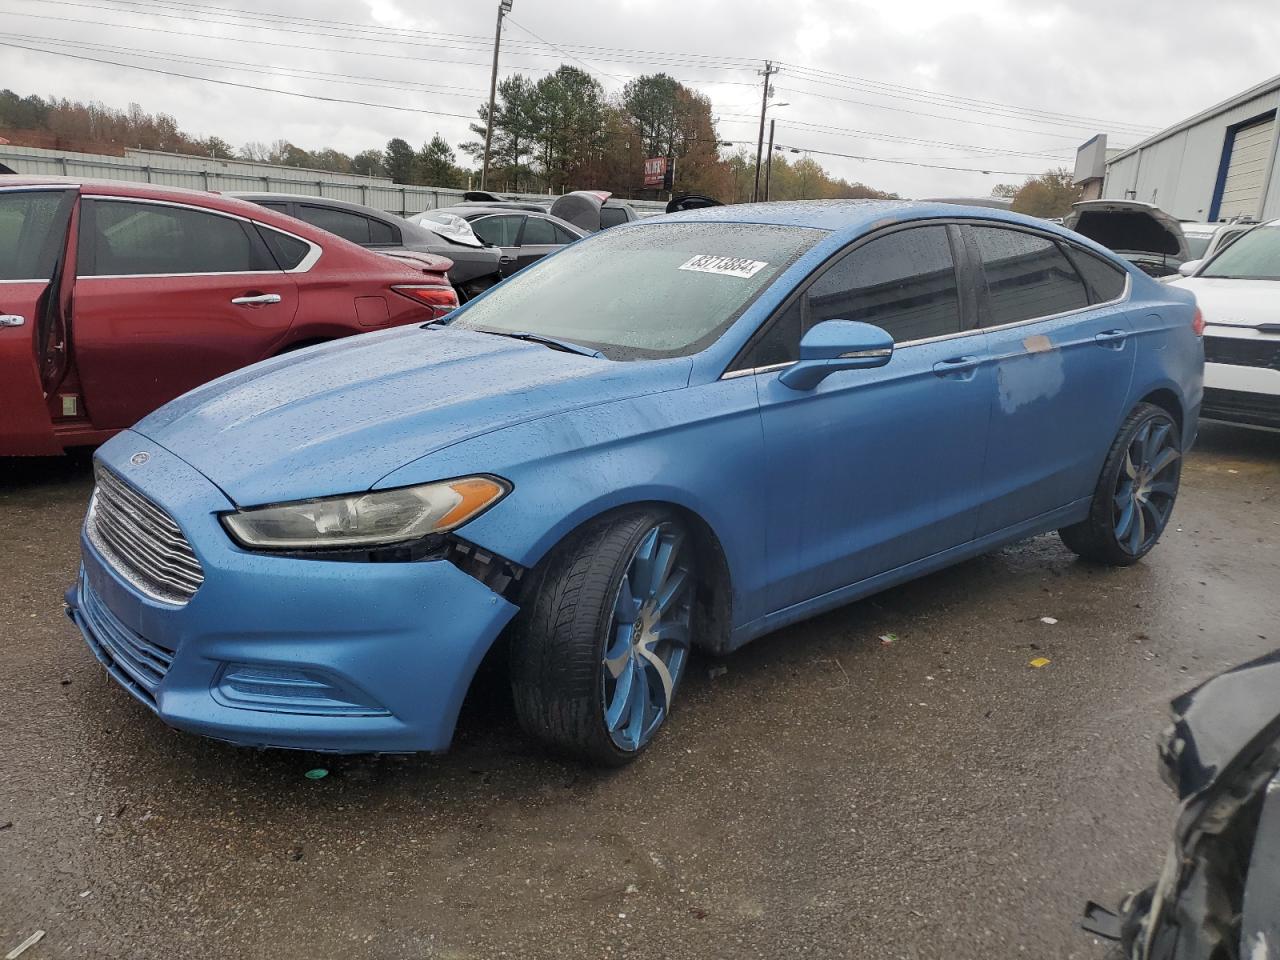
x,y
203,173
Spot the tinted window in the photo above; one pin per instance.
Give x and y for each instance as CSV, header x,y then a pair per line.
x,y
279,206
288,251
382,232
500,231
140,239
563,235
537,230
1027,276
904,283
349,226
1104,279
780,343
658,290
33,228
612,216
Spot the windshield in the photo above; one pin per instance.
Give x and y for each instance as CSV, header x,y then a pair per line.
x,y
643,292
1253,256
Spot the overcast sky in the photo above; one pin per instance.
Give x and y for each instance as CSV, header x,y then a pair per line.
x,y
1009,86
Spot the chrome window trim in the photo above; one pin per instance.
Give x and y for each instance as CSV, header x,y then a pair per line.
x,y
305,265
1123,298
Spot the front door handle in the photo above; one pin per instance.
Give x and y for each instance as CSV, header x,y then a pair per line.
x,y
11,320
956,365
256,300
1111,338
506,259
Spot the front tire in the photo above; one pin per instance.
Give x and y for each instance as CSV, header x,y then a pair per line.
x,y
601,644
1135,493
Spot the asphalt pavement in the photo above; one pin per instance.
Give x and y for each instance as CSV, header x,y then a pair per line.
x,y
821,793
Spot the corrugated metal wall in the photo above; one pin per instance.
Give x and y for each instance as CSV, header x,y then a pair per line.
x,y
1180,172
203,173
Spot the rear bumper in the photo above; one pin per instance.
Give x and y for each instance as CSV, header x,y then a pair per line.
x,y
282,652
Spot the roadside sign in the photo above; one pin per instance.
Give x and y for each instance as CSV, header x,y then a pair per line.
x,y
655,171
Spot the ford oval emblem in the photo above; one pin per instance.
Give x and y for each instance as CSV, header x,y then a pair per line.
x,y
138,459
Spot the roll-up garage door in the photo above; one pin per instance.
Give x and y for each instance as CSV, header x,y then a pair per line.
x,y
1247,170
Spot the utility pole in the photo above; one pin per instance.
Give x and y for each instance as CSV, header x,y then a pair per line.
x,y
768,160
504,7
769,71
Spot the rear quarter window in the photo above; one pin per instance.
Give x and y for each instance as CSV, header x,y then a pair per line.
x,y
1105,280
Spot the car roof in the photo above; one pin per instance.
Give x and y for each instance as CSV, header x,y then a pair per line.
x,y
846,216
258,196
472,211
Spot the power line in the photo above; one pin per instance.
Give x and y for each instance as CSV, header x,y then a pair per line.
x,y
231,83
909,163
589,67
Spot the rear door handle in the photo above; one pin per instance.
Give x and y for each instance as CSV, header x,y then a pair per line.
x,y
1111,338
956,365
506,259
257,300
11,320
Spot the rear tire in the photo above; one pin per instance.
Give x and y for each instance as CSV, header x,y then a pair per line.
x,y
600,646
1136,491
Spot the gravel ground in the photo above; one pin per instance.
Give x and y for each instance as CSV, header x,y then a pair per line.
x,y
827,796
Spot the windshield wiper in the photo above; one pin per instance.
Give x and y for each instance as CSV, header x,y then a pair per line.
x,y
568,346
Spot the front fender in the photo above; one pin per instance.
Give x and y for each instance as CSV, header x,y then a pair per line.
x,y
698,448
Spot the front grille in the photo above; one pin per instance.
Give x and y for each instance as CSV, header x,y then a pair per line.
x,y
1239,406
137,662
1242,353
141,541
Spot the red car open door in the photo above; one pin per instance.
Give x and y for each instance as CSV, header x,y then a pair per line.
x,y
169,296
35,223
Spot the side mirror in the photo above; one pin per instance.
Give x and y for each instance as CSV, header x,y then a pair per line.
x,y
835,345
1190,267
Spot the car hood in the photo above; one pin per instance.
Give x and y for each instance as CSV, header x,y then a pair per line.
x,y
339,417
1236,303
1127,226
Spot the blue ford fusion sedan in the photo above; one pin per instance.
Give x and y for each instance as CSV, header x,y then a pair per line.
x,y
683,432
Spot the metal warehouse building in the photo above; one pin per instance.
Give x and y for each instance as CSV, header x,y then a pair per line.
x,y
1217,165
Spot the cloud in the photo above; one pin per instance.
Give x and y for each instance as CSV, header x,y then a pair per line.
x,y
1066,65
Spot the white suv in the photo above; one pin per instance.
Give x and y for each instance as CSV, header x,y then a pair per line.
x,y
1238,291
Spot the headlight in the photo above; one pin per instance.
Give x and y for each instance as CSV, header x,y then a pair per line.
x,y
366,519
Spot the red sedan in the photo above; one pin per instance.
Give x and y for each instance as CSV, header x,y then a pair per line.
x,y
117,297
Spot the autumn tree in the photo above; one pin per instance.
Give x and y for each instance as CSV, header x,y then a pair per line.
x,y
369,163
1049,195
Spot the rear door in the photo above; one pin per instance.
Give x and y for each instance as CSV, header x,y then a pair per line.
x,y
169,296
1063,351
34,225
538,238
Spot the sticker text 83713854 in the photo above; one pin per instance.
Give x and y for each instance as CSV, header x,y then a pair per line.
x,y
724,266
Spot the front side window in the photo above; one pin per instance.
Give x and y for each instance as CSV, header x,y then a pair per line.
x,y
499,231
904,283
33,228
1027,276
650,291
347,225
1254,255
145,239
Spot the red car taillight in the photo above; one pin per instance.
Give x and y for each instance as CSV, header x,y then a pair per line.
x,y
1197,323
437,299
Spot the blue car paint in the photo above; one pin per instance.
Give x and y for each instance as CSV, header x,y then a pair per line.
x,y
919,487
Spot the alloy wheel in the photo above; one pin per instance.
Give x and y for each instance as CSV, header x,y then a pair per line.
x,y
1147,486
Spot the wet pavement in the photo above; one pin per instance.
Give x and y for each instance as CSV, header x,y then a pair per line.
x,y
828,795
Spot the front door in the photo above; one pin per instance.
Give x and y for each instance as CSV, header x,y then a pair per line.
x,y
34,225
875,468
539,238
502,230
1062,370
169,297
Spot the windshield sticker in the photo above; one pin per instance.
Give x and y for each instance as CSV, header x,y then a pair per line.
x,y
724,266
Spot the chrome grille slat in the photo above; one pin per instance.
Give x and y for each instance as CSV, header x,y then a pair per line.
x,y
142,542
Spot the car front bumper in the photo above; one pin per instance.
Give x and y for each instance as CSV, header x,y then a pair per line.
x,y
275,651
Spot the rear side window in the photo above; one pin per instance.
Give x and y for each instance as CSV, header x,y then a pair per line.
x,y
1105,280
348,226
1027,276
144,239
499,231
382,232
904,283
563,235
612,217
537,230
33,228
288,251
